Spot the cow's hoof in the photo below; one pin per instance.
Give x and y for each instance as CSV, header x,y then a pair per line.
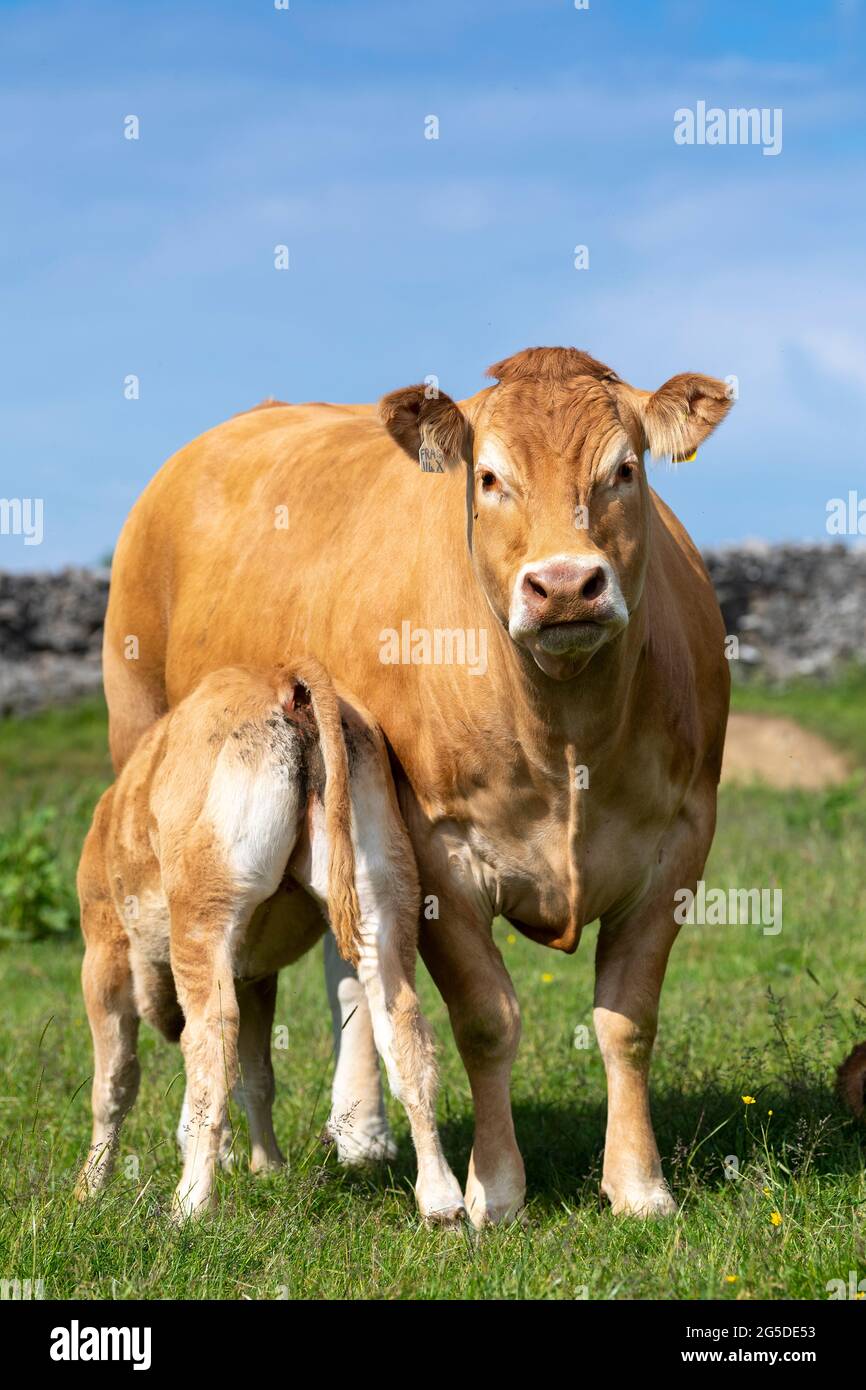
x,y
357,1148
501,1199
492,1210
264,1167
653,1199
494,1213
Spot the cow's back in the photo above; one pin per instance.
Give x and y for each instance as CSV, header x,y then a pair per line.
x,y
305,528
286,527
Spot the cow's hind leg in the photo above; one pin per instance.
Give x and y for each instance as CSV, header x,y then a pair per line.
x,y
108,995
357,1124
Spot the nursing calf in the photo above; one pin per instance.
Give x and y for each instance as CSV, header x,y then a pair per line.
x,y
247,788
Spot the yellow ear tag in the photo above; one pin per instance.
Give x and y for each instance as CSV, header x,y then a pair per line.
x,y
687,458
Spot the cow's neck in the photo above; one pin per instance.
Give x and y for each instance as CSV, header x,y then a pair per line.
x,y
567,733
588,714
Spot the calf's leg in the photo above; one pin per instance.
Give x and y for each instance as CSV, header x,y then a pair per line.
x,y
108,995
202,967
357,1125
386,881
255,1090
226,1154
406,1046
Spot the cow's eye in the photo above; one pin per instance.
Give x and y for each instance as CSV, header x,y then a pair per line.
x,y
625,472
488,480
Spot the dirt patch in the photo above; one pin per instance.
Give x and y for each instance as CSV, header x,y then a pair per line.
x,y
780,753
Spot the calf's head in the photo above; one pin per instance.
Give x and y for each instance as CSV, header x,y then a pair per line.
x,y
559,505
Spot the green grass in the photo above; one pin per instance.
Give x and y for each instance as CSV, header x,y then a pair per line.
x,y
836,711
742,1014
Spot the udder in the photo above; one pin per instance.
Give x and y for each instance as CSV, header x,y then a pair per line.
x,y
282,929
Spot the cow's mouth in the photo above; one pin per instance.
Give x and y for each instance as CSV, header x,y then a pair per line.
x,y
559,638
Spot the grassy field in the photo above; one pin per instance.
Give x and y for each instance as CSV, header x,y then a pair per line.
x,y
772,1194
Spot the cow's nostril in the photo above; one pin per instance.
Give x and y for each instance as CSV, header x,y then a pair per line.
x,y
534,587
594,584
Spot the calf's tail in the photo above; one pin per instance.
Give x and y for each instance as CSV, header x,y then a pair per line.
x,y
343,908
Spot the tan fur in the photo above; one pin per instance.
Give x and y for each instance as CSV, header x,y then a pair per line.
x,y
180,884
267,404
851,1080
484,764
342,897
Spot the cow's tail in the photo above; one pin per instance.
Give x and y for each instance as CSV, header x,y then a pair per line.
x,y
343,908
851,1080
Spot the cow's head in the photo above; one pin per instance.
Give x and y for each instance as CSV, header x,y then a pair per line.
x,y
560,505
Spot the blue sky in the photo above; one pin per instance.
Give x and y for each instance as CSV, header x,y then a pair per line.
x,y
411,256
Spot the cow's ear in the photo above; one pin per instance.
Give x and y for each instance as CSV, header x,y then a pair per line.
x,y
680,415
430,427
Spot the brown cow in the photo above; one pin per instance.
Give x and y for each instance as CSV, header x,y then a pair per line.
x,y
540,642
244,784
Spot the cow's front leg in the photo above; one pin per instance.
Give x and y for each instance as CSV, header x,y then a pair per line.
x,y
357,1124
630,966
485,1017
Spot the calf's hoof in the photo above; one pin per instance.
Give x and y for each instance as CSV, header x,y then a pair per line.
x,y
191,1204
440,1202
93,1176
87,1185
448,1218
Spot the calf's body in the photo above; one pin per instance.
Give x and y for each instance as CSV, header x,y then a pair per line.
x,y
240,797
